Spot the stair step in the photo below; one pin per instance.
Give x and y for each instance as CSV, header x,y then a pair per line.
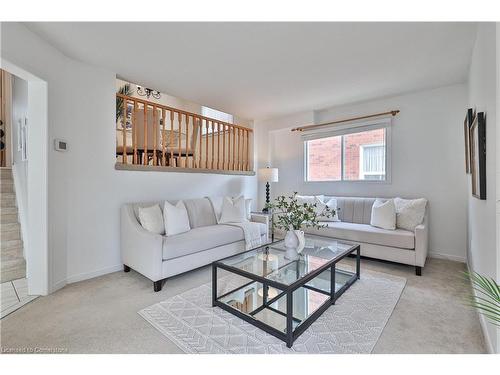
x,y
10,244
12,269
11,235
8,218
11,254
5,173
8,210
8,254
9,227
7,186
6,203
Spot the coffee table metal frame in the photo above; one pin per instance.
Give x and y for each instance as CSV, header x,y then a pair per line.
x,y
290,335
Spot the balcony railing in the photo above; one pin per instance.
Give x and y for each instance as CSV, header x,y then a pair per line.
x,y
155,136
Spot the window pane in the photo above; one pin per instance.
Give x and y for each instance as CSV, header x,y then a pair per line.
x,y
324,158
364,155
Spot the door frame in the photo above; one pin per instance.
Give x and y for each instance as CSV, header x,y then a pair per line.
x,y
38,268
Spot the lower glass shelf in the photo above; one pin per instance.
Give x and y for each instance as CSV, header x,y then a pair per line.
x,y
249,300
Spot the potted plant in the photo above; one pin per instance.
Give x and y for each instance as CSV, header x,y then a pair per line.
x,y
487,298
292,216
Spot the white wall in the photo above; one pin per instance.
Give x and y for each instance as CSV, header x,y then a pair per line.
x,y
85,191
427,159
481,224
19,166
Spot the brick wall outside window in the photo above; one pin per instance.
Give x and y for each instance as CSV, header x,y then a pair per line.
x,y
324,155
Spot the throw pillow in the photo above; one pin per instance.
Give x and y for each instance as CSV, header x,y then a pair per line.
x,y
233,210
312,199
217,206
176,218
151,219
332,205
409,212
383,214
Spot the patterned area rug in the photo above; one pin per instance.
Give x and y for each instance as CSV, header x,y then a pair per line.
x,y
353,325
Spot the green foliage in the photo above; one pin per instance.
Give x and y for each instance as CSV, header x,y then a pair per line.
x,y
292,214
487,298
124,90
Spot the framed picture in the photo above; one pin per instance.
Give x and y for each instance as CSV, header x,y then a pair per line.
x,y
469,117
478,156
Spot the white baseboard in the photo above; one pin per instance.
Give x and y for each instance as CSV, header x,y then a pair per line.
x,y
90,275
58,285
455,258
482,322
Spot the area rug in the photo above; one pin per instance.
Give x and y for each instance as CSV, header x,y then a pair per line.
x,y
353,325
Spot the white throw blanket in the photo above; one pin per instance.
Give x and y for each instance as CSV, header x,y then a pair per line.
x,y
251,231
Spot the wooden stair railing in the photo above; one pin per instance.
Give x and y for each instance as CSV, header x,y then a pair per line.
x,y
152,134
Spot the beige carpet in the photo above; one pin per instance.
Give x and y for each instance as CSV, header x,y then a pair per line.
x,y
100,315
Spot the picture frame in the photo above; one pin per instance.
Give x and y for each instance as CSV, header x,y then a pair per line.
x,y
478,156
469,117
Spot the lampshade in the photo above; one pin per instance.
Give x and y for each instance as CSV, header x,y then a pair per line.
x,y
268,174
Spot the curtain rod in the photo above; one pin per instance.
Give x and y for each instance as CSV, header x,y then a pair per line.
x,y
307,127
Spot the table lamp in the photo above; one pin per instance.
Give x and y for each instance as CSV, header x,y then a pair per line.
x,y
268,175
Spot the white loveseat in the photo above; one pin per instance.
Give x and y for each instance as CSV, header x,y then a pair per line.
x,y
158,257
398,245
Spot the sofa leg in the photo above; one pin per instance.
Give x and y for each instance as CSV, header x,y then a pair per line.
x,y
126,268
418,271
157,285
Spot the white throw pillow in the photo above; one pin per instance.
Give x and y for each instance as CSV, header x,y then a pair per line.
x,y
176,218
312,199
233,210
151,219
332,205
301,199
409,212
384,214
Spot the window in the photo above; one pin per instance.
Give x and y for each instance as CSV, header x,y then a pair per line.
x,y
356,155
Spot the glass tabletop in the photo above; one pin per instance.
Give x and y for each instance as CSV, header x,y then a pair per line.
x,y
277,263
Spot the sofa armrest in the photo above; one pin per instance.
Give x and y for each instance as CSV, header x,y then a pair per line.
x,y
261,218
140,250
422,242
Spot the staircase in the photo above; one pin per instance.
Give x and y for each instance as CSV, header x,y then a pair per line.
x,y
12,263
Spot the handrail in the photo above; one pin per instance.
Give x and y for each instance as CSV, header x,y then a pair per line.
x,y
161,106
185,140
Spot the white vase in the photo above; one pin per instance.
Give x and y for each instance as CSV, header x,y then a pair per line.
x,y
291,240
302,240
294,239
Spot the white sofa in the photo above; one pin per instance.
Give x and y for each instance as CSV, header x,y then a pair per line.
x,y
398,245
158,257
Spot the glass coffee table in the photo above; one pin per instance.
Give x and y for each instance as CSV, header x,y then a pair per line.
x,y
281,293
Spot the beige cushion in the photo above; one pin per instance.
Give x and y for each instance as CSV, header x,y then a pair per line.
x,y
354,209
202,238
200,212
366,233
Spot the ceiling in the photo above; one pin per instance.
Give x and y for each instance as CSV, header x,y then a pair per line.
x,y
262,70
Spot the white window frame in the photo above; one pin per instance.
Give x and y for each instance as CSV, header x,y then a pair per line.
x,y
346,129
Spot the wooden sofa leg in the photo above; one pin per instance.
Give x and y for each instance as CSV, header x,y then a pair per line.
x,y
126,268
157,285
418,271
